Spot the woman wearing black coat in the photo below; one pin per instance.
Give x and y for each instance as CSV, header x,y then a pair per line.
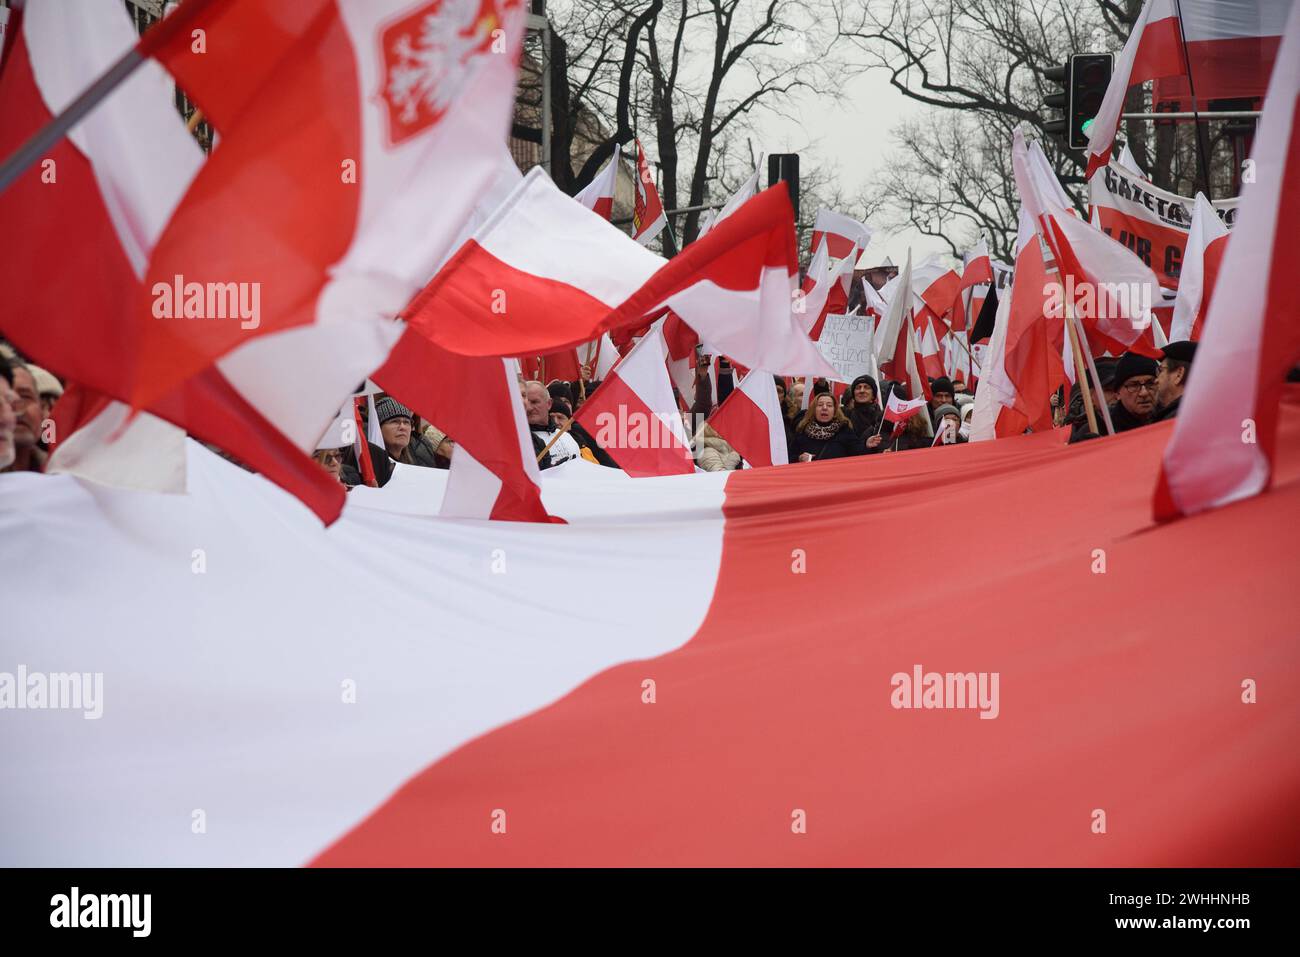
x,y
824,432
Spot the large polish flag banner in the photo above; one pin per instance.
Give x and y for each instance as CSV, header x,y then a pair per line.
x,y
662,718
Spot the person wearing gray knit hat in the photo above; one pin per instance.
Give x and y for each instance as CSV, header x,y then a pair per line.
x,y
395,424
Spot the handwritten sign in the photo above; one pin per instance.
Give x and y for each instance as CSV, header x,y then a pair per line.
x,y
846,343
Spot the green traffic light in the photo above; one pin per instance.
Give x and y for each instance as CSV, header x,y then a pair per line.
x,y
1087,125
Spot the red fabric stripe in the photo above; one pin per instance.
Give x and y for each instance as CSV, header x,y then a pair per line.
x,y
1140,717
1159,52
1213,259
467,399
264,208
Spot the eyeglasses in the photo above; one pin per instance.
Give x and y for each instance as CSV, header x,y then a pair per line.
x,y
330,458
1133,388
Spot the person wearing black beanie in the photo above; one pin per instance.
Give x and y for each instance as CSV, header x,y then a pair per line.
x,y
1134,382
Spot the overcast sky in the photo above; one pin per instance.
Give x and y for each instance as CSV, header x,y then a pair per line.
x,y
852,136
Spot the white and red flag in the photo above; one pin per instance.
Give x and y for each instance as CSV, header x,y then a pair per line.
x,y
837,242
648,217
1206,244
542,275
634,417
243,297
1224,444
1223,40
598,195
743,194
752,421
896,346
899,410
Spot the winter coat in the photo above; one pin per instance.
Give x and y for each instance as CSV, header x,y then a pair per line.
x,y
715,454
843,444
1168,412
1120,417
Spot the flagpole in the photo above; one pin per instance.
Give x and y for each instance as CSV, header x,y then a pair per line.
x,y
1079,374
1191,91
554,438
1096,379
40,142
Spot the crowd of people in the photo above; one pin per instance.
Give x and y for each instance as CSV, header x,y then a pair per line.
x,y
1138,390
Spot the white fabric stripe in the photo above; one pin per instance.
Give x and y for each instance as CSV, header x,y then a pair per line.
x,y
149,454
222,691
143,158
540,231
1206,228
1229,19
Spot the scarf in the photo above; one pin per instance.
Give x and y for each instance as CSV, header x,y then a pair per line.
x,y
821,433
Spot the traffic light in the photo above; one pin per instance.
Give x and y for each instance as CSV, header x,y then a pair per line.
x,y
785,166
1083,81
1059,75
1089,78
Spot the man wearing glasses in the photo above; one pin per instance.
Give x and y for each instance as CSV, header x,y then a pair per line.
x,y
1135,387
1171,381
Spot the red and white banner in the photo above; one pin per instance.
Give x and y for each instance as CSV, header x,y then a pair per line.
x,y
1225,442
1151,222
659,716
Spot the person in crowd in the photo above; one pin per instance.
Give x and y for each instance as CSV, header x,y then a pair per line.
x,y
863,410
351,473
824,432
949,416
49,388
795,402
423,450
941,393
28,456
395,422
10,405
1134,380
913,436
1171,380
331,460
537,408
713,453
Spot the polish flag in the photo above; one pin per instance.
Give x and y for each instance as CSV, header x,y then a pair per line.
x,y
502,722
937,286
1224,445
1022,366
1206,243
843,235
743,194
541,275
598,196
1228,38
929,331
896,349
752,421
318,258
477,402
648,217
899,410
634,417
873,304
837,242
1113,291
977,266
